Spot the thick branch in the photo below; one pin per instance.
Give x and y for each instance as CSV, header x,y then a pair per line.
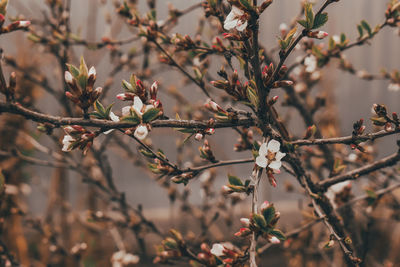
x,y
105,124
354,174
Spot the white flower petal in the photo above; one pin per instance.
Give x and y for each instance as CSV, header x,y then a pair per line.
x,y
263,151
141,132
275,165
67,141
126,111
113,117
92,71
130,259
279,155
274,146
137,105
262,161
217,250
230,24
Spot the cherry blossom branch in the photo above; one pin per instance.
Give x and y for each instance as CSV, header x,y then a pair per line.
x,y
16,108
354,174
345,140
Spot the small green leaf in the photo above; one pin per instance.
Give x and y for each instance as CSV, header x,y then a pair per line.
x,y
150,115
360,31
127,86
320,20
309,15
108,110
134,119
100,108
366,26
259,221
233,180
269,214
303,23
74,70
279,234
246,4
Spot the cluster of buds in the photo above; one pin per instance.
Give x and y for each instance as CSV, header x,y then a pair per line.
x,y
143,109
160,167
232,85
171,248
183,178
206,152
183,42
263,224
245,141
392,13
217,45
237,186
200,134
81,82
358,127
77,137
219,113
14,26
383,119
221,254
267,75
122,258
9,91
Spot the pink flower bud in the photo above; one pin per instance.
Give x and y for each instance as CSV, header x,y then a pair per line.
x,y
321,34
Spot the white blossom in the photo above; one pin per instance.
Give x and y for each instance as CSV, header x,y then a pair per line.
x,y
394,87
138,107
67,141
235,20
217,250
122,258
311,63
141,132
270,156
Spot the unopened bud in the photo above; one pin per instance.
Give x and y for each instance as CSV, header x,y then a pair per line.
x,y
154,90
68,77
